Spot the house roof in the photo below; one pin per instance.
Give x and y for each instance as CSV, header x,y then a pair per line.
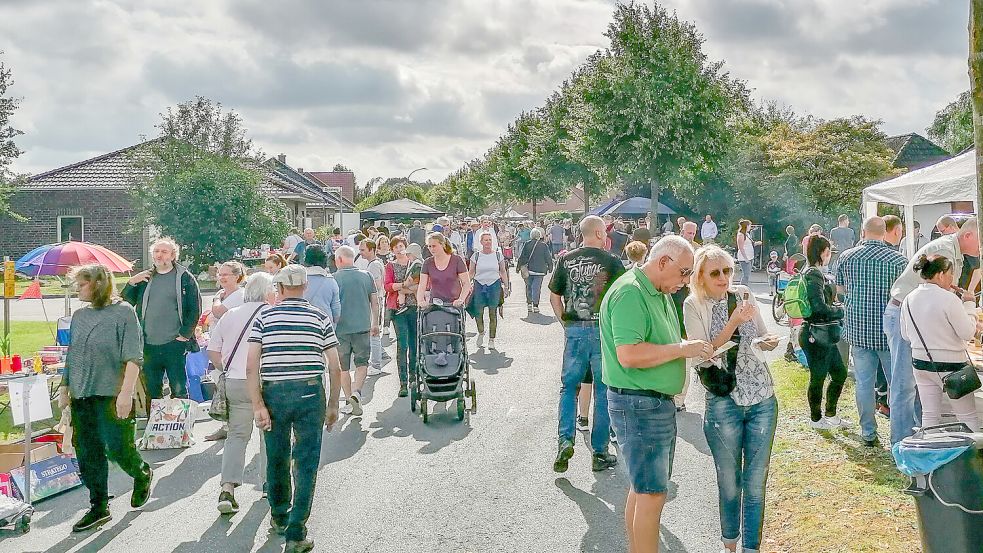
x,y
325,198
914,151
343,180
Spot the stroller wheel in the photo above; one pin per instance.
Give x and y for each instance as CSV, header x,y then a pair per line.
x,y
460,408
423,411
24,524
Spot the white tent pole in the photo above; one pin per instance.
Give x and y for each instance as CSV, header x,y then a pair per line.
x,y
909,227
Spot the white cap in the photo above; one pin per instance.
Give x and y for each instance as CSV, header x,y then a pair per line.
x,y
291,275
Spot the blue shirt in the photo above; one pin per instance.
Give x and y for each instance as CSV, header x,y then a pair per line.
x,y
323,293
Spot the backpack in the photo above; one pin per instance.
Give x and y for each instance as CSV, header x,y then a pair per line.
x,y
796,298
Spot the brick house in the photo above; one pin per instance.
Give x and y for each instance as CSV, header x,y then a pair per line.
x,y
342,180
90,201
326,201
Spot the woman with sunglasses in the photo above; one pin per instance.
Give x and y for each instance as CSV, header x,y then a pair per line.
x,y
740,425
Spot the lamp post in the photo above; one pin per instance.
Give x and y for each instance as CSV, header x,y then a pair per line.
x,y
414,171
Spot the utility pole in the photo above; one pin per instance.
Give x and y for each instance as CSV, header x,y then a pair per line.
x,y
976,90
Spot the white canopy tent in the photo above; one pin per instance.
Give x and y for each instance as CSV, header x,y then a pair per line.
x,y
952,180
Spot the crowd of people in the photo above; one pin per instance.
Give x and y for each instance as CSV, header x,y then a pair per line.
x,y
641,312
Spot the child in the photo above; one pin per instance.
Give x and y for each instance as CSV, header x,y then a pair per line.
x,y
774,269
412,273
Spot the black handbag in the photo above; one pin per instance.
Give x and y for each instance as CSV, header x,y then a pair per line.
x,y
721,381
958,383
825,334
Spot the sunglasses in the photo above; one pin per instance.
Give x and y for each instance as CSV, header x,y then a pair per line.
x,y
726,271
683,271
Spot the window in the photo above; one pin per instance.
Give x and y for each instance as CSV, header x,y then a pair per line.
x,y
70,228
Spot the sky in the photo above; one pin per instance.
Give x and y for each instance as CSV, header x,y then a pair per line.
x,y
389,86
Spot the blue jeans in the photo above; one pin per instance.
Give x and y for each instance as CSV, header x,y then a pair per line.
x,y
296,408
646,430
865,362
906,411
745,272
740,439
581,353
405,324
534,288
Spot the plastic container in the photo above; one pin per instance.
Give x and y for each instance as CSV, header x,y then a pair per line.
x,y
949,498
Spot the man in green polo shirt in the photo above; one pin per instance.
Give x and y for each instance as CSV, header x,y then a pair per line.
x,y
644,364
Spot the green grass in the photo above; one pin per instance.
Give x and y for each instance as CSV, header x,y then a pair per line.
x,y
27,337
827,491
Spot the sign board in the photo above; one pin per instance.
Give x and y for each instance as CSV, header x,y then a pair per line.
x,y
8,279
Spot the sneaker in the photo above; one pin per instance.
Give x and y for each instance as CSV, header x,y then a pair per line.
x,y
403,391
356,403
374,371
346,409
219,434
601,461
93,518
883,410
535,309
841,422
491,344
872,442
141,489
821,424
563,455
481,339
227,503
583,424
299,546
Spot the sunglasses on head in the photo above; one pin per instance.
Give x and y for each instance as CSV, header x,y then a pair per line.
x,y
726,271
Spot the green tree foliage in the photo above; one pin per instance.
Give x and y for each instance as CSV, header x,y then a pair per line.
x,y
464,192
8,149
652,106
952,127
199,182
213,206
392,189
510,165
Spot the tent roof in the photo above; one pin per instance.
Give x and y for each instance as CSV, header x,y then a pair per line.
x,y
403,208
952,180
638,206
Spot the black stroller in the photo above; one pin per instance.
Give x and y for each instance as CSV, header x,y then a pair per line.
x,y
442,372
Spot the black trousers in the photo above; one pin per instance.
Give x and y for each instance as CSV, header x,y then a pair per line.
x,y
100,436
823,361
166,359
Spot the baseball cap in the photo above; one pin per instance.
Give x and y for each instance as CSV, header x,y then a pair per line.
x,y
438,228
291,275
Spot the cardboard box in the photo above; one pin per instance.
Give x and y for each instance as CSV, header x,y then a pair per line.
x,y
49,477
12,457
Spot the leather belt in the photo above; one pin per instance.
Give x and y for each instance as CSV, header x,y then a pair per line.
x,y
633,392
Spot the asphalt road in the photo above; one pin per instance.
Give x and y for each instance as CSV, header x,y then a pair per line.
x,y
388,482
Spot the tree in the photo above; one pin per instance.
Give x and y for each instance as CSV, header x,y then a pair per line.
x,y
213,206
8,148
952,127
651,107
976,89
392,189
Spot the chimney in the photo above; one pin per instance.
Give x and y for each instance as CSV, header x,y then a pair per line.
x,y
300,170
282,158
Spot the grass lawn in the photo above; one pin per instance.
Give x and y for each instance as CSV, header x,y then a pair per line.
x,y
826,491
26,337
50,286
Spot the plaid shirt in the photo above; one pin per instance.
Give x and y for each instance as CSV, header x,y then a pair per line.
x,y
866,273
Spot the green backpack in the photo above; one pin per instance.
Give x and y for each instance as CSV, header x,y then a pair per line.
x,y
796,298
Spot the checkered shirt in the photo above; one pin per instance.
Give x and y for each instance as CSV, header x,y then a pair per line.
x,y
866,273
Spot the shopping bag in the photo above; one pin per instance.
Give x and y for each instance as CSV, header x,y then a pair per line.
x,y
171,424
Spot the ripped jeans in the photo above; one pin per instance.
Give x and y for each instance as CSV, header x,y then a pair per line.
x,y
740,439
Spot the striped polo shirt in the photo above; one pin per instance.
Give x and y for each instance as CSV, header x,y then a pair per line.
x,y
294,336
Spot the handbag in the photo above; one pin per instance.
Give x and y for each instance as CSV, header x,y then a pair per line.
x,y
958,383
721,381
825,334
524,271
219,408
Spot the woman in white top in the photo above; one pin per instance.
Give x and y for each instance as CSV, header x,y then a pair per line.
x,y
231,274
491,281
934,321
745,250
227,350
739,426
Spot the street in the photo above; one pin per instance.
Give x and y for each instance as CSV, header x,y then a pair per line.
x,y
390,483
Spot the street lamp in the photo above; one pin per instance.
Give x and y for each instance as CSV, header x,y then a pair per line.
x,y
414,171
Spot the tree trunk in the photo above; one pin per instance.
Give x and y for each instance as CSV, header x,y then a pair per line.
x,y
654,218
586,200
534,217
976,90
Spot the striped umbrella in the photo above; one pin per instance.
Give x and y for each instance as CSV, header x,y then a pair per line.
x,y
58,259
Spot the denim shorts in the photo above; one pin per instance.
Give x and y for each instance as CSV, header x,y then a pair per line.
x,y
646,430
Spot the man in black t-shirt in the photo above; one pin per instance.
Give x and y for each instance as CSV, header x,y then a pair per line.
x,y
580,280
619,239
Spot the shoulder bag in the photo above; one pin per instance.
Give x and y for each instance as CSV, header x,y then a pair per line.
x,y
524,271
958,383
721,381
219,409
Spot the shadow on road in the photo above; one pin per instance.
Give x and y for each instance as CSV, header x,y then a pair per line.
x,y
186,479
338,446
442,430
689,427
489,361
102,537
539,319
218,538
603,508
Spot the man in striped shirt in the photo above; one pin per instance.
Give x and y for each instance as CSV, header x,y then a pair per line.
x,y
290,347
864,276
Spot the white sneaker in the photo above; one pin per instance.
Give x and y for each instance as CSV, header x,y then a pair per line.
x,y
837,421
491,343
374,371
535,309
345,409
355,402
821,424
481,339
